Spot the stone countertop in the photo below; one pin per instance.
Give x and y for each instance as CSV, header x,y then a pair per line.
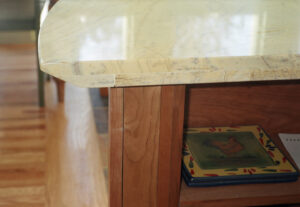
x,y
116,43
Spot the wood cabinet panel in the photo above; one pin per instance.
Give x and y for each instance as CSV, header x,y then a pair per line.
x,y
273,106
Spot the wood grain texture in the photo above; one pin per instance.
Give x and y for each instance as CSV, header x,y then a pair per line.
x,y
170,145
17,57
141,141
49,157
152,132
17,75
75,172
273,106
22,130
116,130
241,195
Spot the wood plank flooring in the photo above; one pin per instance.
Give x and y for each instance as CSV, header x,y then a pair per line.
x,y
48,157
22,130
75,176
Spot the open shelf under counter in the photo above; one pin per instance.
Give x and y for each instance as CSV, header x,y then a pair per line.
x,y
272,105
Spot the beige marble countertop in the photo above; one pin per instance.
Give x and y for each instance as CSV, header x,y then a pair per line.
x,y
114,43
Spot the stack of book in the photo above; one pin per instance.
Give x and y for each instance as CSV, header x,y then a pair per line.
x,y
233,155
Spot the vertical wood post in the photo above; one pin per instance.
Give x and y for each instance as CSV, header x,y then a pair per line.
x,y
150,123
116,147
141,145
170,145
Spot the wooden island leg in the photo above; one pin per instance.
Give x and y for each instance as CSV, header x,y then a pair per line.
x,y
146,126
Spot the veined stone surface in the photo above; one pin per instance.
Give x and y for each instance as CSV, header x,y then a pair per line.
x,y
114,43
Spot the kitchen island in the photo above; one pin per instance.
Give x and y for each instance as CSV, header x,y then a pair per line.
x,y
175,64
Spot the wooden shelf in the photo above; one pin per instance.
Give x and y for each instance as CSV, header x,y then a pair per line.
x,y
274,106
240,195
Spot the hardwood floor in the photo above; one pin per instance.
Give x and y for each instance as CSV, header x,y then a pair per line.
x,y
48,157
75,175
22,130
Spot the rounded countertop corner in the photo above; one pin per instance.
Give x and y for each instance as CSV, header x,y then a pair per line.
x,y
116,43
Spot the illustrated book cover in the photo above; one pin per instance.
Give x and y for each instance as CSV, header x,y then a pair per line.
x,y
233,155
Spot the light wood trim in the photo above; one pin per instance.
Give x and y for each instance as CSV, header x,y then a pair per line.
x,y
116,146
